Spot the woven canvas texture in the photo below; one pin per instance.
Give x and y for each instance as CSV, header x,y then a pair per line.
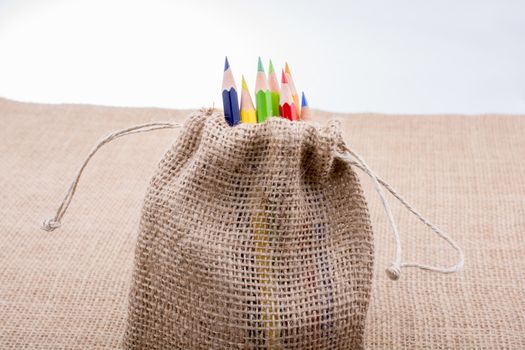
x,y
253,237
69,289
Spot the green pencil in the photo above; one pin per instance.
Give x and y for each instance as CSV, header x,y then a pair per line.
x,y
263,96
274,89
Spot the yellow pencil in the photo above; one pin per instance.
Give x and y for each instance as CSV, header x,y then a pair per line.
x,y
248,114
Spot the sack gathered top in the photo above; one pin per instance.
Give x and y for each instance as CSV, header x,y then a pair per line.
x,y
256,236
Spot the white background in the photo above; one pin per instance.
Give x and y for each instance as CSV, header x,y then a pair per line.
x,y
354,56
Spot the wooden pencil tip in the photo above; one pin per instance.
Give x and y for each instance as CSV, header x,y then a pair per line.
x,y
226,63
287,68
271,69
260,67
304,103
283,78
244,85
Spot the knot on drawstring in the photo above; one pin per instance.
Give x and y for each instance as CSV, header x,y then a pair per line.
x,y
393,272
54,223
50,224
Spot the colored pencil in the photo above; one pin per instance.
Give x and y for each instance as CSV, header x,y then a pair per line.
x,y
295,96
230,99
286,104
305,109
248,114
273,83
263,96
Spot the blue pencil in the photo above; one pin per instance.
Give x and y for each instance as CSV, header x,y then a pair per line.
x,y
305,109
230,99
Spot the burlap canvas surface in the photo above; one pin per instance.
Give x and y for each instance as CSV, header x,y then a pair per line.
x,y
69,288
253,237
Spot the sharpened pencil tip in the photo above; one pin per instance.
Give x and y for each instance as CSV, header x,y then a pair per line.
x,y
260,67
226,63
304,103
287,68
271,69
244,85
283,78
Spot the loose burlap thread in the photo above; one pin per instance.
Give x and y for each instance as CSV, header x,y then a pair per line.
x,y
254,237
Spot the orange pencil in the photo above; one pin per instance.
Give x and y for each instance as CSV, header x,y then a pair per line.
x,y
295,96
287,107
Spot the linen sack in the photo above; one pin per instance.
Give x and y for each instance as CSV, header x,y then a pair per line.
x,y
252,237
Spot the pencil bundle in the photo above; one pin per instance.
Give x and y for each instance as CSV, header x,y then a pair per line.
x,y
271,100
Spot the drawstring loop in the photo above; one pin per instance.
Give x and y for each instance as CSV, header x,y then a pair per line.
x,y
394,270
53,223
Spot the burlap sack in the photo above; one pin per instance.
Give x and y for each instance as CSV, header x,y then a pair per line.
x,y
255,237
252,237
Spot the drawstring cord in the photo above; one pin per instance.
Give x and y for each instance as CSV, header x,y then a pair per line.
x,y
53,223
394,270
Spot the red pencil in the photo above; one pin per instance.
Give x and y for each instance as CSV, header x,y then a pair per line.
x,y
287,107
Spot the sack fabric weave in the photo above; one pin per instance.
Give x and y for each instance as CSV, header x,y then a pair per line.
x,y
252,237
